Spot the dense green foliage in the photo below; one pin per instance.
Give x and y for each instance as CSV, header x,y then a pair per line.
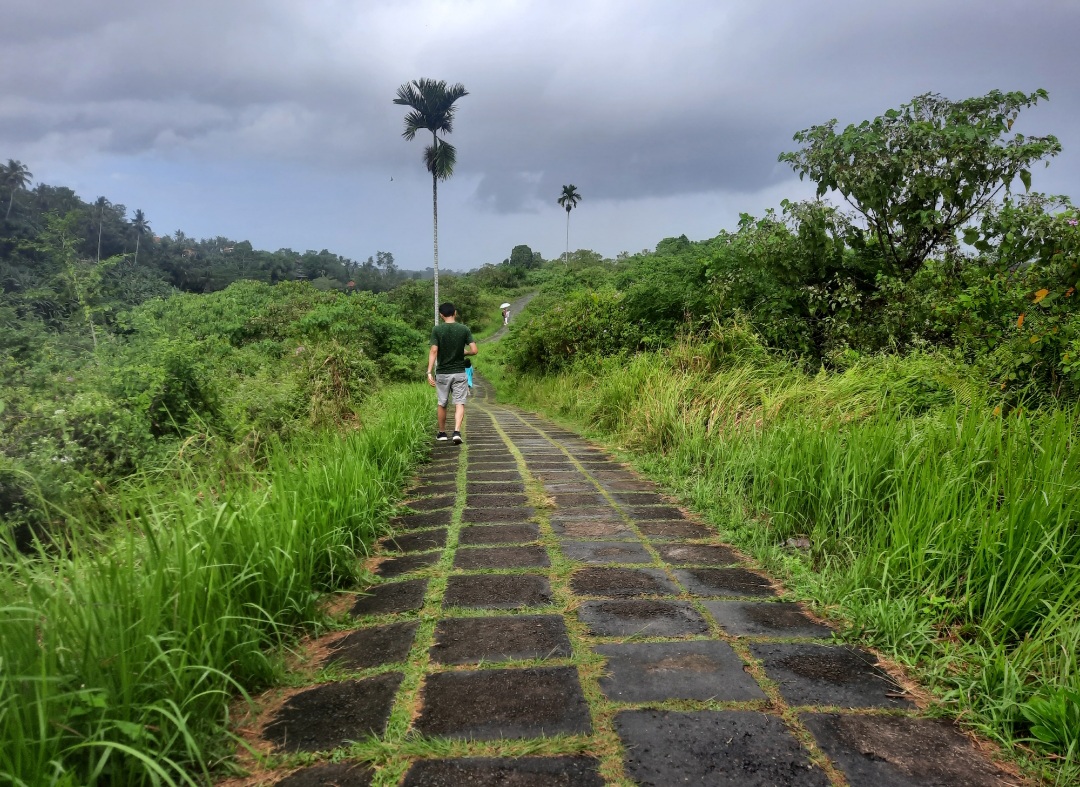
x,y
121,655
897,386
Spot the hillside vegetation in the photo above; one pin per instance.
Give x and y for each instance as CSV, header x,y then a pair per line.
x,y
880,404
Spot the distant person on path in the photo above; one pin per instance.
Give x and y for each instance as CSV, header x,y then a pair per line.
x,y
451,341
506,316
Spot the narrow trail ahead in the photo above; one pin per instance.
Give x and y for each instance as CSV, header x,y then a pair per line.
x,y
515,309
545,617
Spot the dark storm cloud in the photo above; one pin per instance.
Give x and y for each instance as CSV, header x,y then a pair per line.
x,y
630,100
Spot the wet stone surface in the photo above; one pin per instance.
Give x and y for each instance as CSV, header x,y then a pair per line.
x,y
397,566
518,514
496,500
640,499
495,475
501,557
572,499
489,704
333,714
643,618
431,503
622,582
428,490
592,527
338,774
499,534
606,551
656,671
731,582
416,541
654,512
673,529
495,591
891,751
372,647
417,521
391,598
736,748
467,640
697,554
516,772
764,619
829,675
494,487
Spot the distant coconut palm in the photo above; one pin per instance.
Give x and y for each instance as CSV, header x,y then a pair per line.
x,y
569,200
13,177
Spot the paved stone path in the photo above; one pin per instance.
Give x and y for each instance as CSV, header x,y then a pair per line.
x,y
545,617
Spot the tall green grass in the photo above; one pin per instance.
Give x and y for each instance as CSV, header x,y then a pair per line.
x,y
944,531
119,655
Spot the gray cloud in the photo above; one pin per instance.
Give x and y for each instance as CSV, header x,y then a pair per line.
x,y
628,99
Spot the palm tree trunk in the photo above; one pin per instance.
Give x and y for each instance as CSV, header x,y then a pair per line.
x,y
101,215
435,214
566,259
11,201
137,236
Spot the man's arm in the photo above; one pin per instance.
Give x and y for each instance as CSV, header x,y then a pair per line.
x,y
471,349
433,353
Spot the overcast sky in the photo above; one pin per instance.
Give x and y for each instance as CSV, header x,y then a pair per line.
x,y
273,121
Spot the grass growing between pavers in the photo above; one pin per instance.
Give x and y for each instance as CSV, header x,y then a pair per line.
x,y
937,530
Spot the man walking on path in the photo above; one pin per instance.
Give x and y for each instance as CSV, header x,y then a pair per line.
x,y
451,341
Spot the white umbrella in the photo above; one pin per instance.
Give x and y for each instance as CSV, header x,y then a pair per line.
x,y
505,306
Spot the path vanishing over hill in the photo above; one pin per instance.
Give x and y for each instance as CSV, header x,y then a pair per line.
x,y
516,306
545,617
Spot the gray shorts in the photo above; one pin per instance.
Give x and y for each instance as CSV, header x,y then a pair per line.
x,y
456,385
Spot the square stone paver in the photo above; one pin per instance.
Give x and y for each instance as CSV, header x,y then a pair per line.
x,y
431,503
467,640
333,714
730,582
439,477
501,557
630,485
497,500
622,582
673,528
640,499
406,564
719,748
417,521
512,514
506,703
764,619
646,618
657,671
579,499
390,598
697,554
331,774
494,487
892,751
495,475
416,541
428,490
829,675
508,772
592,527
373,647
606,551
497,591
654,512
499,534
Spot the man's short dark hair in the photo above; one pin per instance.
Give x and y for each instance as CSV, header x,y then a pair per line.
x,y
447,309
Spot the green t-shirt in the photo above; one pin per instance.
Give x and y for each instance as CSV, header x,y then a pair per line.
x,y
451,338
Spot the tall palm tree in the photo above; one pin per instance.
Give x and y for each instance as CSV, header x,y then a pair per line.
x,y
433,110
100,203
569,200
14,176
141,227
